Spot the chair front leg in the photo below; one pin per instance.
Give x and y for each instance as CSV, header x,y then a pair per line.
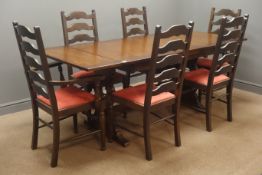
x,y
208,111
177,138
146,127
35,125
56,140
229,91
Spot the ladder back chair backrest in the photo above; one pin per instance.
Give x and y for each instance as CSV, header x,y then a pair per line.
x,y
35,63
61,102
132,18
215,18
169,60
75,23
77,28
228,47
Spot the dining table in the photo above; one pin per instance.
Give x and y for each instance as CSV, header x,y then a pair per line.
x,y
112,54
134,52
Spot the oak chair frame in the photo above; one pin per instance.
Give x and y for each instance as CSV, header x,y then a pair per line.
x,y
40,83
78,26
220,13
130,28
213,21
134,21
165,74
228,47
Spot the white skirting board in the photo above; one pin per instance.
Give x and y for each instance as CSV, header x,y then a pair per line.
x,y
248,83
249,86
15,106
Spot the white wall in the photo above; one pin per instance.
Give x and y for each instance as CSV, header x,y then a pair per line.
x,y
250,63
46,14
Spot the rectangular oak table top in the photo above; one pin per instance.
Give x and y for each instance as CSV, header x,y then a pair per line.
x,y
121,52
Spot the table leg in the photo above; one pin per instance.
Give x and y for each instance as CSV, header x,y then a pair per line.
x,y
191,99
112,132
190,96
192,64
92,120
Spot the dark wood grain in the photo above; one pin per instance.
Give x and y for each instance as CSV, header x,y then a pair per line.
x,y
83,23
131,18
224,63
163,76
215,18
40,84
122,52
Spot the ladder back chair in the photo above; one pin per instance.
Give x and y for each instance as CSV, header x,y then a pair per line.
x,y
216,18
60,99
213,27
79,26
164,81
224,64
132,20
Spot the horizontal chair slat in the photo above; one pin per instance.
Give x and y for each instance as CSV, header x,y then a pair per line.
x,y
230,46
28,47
226,12
36,76
135,21
80,26
227,58
167,74
169,60
79,15
172,46
25,32
164,87
135,31
81,37
233,34
235,22
223,70
33,62
175,31
40,90
133,11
